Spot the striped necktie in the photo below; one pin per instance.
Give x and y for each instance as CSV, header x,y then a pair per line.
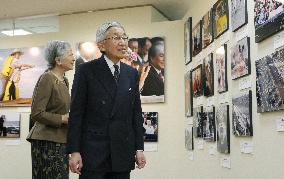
x,y
116,73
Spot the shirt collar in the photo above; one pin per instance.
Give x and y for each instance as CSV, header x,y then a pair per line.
x,y
110,64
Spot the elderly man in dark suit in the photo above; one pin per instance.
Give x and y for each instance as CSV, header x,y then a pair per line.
x,y
105,134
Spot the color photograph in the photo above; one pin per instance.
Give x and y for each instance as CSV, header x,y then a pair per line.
x,y
220,18
196,81
268,18
207,29
10,125
239,14
242,115
188,95
150,126
196,39
221,68
223,129
270,82
208,75
240,58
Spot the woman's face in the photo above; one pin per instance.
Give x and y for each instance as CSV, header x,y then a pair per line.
x,y
67,62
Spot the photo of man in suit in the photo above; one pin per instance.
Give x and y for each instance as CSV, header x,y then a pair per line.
x,y
105,129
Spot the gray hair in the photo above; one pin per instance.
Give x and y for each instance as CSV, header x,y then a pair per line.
x,y
101,31
155,50
53,49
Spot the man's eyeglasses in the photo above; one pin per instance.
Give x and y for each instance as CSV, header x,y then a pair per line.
x,y
118,38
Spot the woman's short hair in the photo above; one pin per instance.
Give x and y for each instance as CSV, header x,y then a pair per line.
x,y
53,49
102,30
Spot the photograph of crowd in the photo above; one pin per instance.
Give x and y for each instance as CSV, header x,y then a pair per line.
x,y
223,129
196,81
240,58
268,18
20,70
208,75
209,128
196,39
221,68
239,14
150,126
242,115
188,40
188,95
189,145
207,29
270,82
9,125
198,117
220,17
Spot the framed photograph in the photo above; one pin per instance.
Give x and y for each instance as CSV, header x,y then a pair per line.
x,y
221,68
188,95
269,82
207,29
188,40
223,129
10,125
220,17
240,58
242,114
208,75
209,127
198,117
239,14
20,70
150,126
268,18
196,81
196,39
189,144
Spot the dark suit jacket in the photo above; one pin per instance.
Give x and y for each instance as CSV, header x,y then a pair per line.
x,y
105,123
153,85
78,62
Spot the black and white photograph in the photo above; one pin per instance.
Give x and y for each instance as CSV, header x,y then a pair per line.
x,y
270,82
242,114
189,145
207,29
187,41
239,14
150,126
188,95
198,121
209,127
196,39
221,68
240,58
9,125
208,75
268,18
220,17
223,129
196,81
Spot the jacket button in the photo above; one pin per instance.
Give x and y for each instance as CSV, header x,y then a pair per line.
x,y
103,102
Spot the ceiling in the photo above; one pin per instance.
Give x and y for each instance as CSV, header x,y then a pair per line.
x,y
172,9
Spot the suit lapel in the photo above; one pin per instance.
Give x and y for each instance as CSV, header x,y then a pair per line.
x,y
105,77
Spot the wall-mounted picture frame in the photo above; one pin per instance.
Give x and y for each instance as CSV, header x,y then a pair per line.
x,y
242,114
150,126
240,59
207,29
220,17
221,68
223,128
188,95
189,143
196,81
269,82
239,14
188,41
268,18
209,127
10,125
208,75
198,117
196,39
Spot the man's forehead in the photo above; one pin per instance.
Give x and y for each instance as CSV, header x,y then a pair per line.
x,y
115,30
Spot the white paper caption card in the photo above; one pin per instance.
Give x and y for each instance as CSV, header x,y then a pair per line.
x,y
212,149
246,147
200,144
224,38
225,162
245,83
191,155
224,98
280,124
210,101
242,33
148,147
279,40
12,142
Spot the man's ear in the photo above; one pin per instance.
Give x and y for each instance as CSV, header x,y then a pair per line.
x,y
101,46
